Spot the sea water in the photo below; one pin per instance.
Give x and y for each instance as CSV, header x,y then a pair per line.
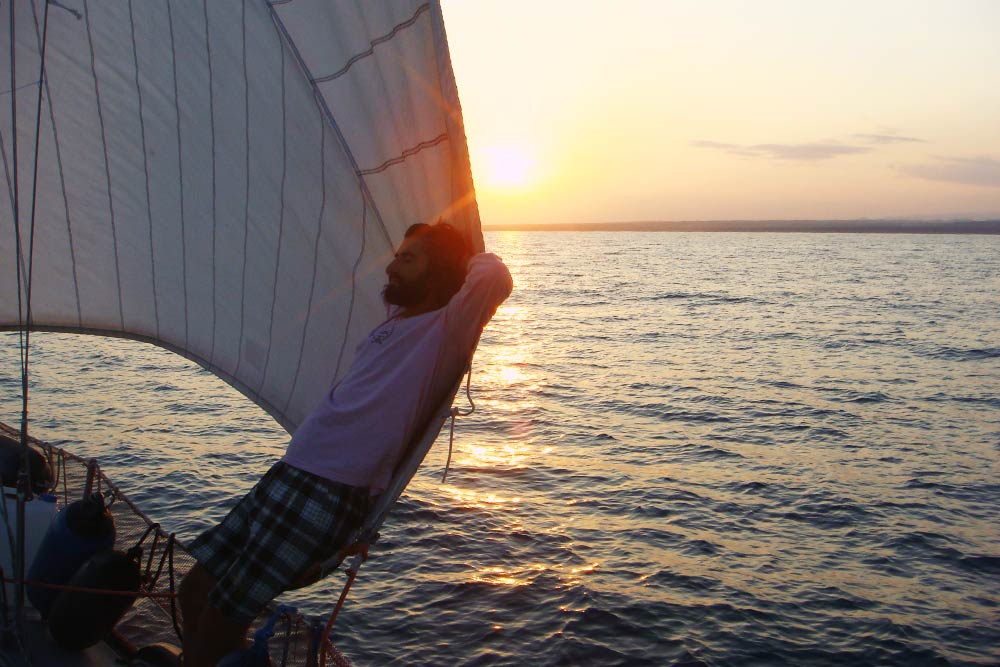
x,y
688,449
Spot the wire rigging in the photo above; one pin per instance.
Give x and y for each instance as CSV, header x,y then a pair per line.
x,y
31,224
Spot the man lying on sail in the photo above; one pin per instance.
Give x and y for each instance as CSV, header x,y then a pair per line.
x,y
306,507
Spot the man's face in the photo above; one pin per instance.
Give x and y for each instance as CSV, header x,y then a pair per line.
x,y
407,274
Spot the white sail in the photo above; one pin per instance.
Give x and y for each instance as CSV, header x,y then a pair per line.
x,y
226,179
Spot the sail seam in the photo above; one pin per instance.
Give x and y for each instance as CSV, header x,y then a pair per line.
x,y
10,91
409,152
211,116
107,165
246,199
62,182
321,101
281,219
180,177
6,171
13,204
145,168
354,288
373,43
315,262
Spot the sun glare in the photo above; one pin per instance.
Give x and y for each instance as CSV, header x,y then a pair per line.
x,y
506,168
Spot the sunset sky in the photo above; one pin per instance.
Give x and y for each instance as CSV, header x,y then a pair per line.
x,y
587,111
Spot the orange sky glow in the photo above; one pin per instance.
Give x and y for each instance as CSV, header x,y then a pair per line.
x,y
652,110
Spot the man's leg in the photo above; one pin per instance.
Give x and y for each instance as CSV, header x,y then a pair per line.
x,y
193,598
208,634
192,594
216,635
289,522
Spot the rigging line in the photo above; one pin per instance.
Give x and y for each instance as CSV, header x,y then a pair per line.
x,y
34,209
15,199
405,154
321,101
373,43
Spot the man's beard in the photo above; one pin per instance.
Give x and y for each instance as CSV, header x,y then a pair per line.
x,y
405,294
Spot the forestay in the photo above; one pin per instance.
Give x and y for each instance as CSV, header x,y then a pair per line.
x,y
226,179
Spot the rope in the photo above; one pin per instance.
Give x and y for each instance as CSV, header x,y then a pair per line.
x,y
95,591
168,549
152,552
360,556
456,412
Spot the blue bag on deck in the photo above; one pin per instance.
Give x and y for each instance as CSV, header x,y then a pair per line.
x,y
256,655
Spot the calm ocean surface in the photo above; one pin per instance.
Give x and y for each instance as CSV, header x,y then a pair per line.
x,y
688,449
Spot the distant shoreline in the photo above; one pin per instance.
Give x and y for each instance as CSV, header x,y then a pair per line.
x,y
810,226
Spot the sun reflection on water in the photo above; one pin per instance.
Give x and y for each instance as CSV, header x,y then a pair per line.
x,y
516,576
510,454
471,499
524,575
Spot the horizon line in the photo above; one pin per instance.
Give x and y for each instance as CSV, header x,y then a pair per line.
x,y
856,225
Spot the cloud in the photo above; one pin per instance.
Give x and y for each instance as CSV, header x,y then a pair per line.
x,y
882,139
980,171
805,152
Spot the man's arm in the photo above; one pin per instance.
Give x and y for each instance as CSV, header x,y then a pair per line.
x,y
487,284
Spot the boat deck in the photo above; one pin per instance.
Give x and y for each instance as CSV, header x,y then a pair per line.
x,y
152,620
36,649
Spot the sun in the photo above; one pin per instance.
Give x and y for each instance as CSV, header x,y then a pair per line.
x,y
506,168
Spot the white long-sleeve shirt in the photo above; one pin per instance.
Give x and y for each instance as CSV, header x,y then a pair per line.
x,y
400,373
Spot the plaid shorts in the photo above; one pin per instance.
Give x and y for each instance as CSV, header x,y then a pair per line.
x,y
289,521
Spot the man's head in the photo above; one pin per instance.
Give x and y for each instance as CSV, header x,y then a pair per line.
x,y
428,269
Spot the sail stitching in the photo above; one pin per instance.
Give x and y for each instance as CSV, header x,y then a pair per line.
x,y
211,116
409,152
373,43
281,221
145,168
11,91
321,101
315,261
246,200
11,181
180,177
62,181
6,171
354,276
107,165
